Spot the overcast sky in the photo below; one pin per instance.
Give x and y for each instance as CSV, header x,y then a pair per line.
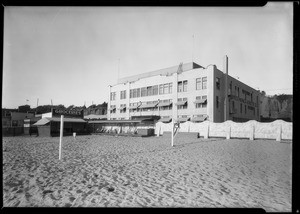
x,y
71,54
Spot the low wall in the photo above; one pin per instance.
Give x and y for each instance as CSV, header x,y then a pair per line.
x,y
278,130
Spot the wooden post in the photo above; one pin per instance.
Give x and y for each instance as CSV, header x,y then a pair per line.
x,y
278,138
228,133
206,134
61,134
251,137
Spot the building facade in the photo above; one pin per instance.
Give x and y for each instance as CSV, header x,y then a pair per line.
x,y
186,92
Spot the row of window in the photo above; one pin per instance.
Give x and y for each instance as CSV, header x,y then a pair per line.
x,y
151,90
244,92
168,107
251,108
201,83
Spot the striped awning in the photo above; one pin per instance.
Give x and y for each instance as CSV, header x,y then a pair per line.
x,y
183,119
199,118
152,105
165,119
200,101
164,104
181,103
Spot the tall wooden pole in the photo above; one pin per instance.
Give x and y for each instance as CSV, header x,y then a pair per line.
x,y
61,134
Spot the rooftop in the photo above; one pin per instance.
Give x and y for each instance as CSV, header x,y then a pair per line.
x,y
164,71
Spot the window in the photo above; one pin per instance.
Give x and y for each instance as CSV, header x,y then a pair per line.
x,y
155,90
241,108
113,109
123,95
198,83
245,109
179,86
166,107
198,105
123,110
149,90
166,88
217,101
182,86
161,89
204,105
131,93
113,96
182,106
134,93
218,83
238,92
170,88
143,92
251,97
204,82
230,88
138,92
185,85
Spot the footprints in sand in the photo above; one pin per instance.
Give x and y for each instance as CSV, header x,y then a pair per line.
x,y
106,171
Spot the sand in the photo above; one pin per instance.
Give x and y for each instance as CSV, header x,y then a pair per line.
x,y
110,171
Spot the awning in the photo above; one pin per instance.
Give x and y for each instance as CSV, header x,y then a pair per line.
x,y
165,119
183,119
41,122
164,104
152,105
94,116
111,109
46,120
199,118
121,108
181,103
134,107
200,101
115,121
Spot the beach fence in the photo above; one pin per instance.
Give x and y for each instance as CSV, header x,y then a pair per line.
x,y
277,130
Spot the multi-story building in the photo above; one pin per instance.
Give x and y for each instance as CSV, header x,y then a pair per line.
x,y
186,92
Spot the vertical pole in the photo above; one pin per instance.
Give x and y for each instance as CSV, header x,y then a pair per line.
x,y
61,134
172,132
225,67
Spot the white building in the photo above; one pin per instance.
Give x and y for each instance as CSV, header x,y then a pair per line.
x,y
199,95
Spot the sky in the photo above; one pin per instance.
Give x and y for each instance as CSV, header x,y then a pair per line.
x,y
70,55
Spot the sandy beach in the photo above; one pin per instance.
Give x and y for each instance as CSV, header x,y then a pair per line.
x,y
119,171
